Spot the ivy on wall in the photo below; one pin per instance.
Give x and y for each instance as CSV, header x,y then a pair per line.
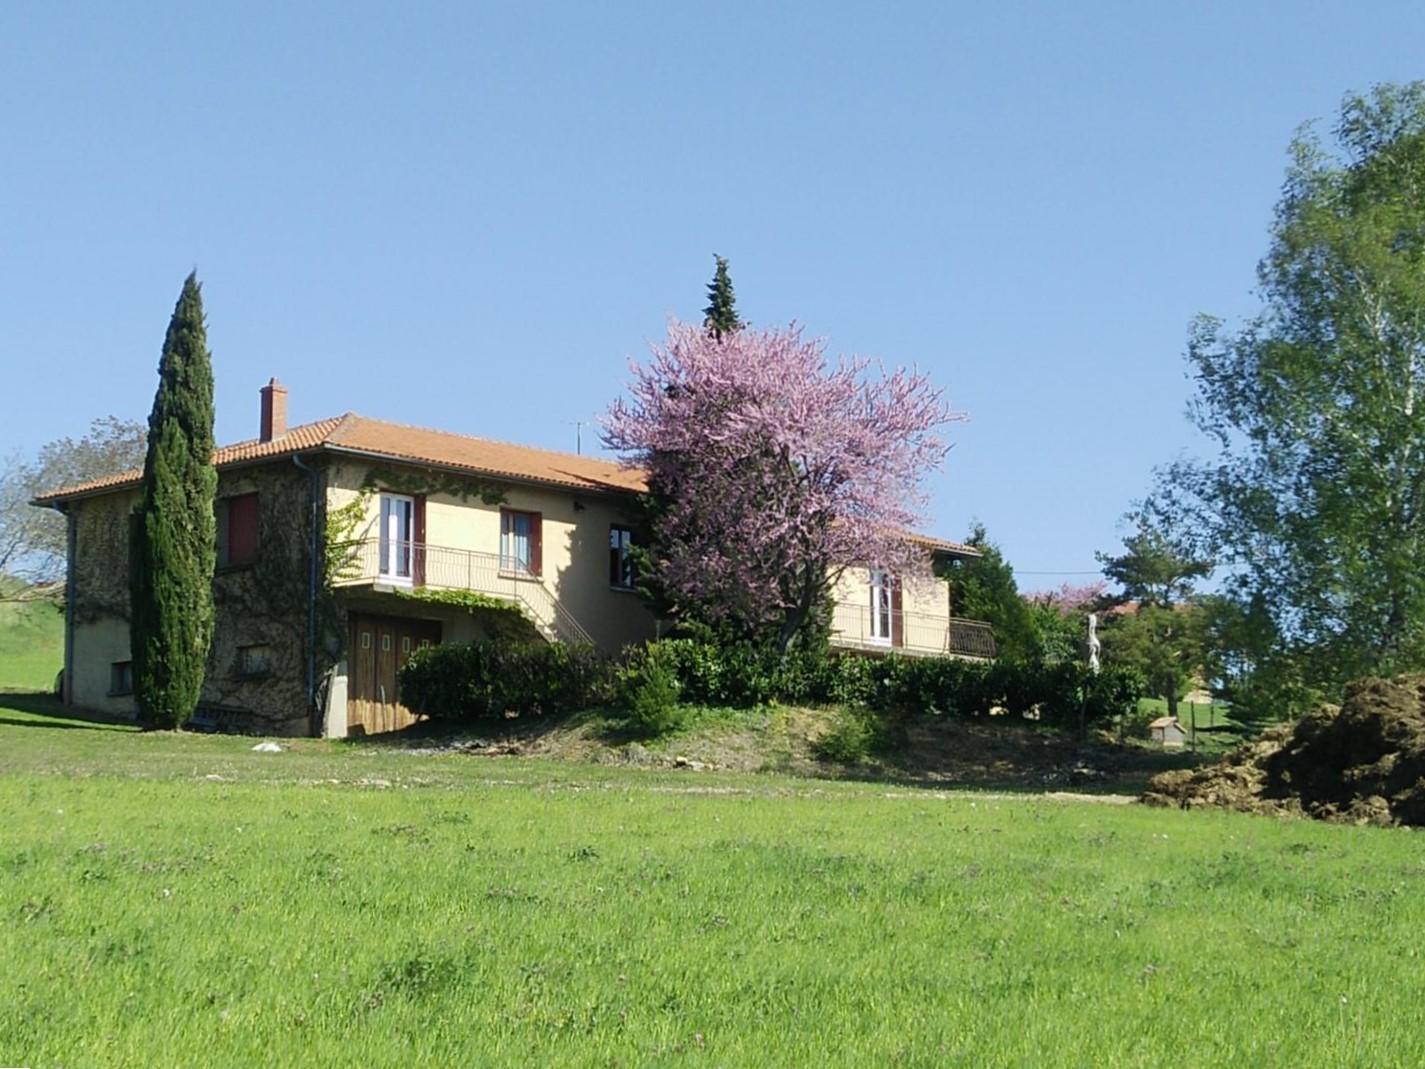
x,y
418,482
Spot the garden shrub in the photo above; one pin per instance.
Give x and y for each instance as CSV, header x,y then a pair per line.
x,y
494,677
851,739
489,678
648,690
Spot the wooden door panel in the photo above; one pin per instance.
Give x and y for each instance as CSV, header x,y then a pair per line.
x,y
380,645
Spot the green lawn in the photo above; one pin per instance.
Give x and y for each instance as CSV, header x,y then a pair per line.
x,y
181,900
31,646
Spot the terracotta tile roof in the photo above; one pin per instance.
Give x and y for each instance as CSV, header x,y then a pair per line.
x,y
377,438
298,439
418,445
483,456
957,548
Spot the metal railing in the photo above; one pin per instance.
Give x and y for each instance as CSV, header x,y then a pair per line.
x,y
414,564
854,627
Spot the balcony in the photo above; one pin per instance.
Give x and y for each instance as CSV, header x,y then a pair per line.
x,y
382,564
913,633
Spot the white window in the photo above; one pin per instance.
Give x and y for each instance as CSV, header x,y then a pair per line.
x,y
880,606
519,542
397,524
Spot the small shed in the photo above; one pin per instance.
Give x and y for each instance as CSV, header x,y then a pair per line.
x,y
1168,733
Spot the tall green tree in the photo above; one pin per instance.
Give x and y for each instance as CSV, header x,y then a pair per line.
x,y
1161,634
174,542
1315,499
984,588
1154,567
720,316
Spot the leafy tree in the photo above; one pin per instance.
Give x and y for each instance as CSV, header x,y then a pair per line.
x,y
984,588
174,542
1163,643
1315,499
775,471
33,539
1060,620
1160,632
1154,568
720,316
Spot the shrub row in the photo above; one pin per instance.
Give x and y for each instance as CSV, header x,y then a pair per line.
x,y
490,678
470,681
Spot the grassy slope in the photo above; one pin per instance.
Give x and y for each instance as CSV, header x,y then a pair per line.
x,y
179,900
31,646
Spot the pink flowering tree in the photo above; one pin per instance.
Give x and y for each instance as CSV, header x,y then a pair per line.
x,y
771,470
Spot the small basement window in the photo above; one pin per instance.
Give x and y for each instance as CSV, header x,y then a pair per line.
x,y
254,661
121,678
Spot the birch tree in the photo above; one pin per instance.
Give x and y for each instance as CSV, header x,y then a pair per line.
x,y
1315,499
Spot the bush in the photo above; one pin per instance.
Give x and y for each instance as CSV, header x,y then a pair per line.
x,y
851,738
737,674
491,678
1057,694
648,690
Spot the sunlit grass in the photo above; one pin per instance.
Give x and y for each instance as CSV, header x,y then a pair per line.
x,y
181,900
31,646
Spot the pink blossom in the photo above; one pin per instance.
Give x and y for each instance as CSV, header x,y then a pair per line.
x,y
776,469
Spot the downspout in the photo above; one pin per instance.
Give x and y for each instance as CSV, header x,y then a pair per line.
x,y
314,478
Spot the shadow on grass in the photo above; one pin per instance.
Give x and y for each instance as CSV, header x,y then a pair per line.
x,y
56,714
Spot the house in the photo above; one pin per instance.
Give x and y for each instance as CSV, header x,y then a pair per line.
x,y
1168,733
345,544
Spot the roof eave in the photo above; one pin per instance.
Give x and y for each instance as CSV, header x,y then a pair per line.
x,y
463,469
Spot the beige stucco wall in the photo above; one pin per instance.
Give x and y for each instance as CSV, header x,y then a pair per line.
x,y
97,645
575,541
100,599
925,602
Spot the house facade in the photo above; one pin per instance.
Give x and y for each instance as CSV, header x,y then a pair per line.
x,y
346,544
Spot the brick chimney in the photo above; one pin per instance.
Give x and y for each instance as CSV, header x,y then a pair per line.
x,y
274,411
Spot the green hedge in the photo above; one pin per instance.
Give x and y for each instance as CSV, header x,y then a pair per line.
x,y
746,676
490,678
493,677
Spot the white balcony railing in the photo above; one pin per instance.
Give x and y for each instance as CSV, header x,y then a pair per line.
x,y
375,561
853,627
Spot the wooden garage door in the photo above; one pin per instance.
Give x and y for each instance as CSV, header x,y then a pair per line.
x,y
379,646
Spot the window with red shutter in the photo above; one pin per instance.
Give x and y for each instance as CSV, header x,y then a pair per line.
x,y
237,530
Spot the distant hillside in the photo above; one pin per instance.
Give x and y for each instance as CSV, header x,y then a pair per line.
x,y
31,645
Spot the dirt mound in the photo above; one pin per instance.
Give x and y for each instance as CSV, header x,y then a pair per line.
x,y
1363,763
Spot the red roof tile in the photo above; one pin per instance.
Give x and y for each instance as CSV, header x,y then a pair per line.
x,y
395,441
418,445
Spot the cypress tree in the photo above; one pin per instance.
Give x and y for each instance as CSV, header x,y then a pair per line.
x,y
720,316
173,536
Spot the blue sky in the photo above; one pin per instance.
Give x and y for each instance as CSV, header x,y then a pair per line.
x,y
471,216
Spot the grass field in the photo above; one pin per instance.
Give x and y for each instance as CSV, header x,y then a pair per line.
x,y
181,900
31,646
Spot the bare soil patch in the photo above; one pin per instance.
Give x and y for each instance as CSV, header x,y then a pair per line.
x,y
926,751
1361,763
